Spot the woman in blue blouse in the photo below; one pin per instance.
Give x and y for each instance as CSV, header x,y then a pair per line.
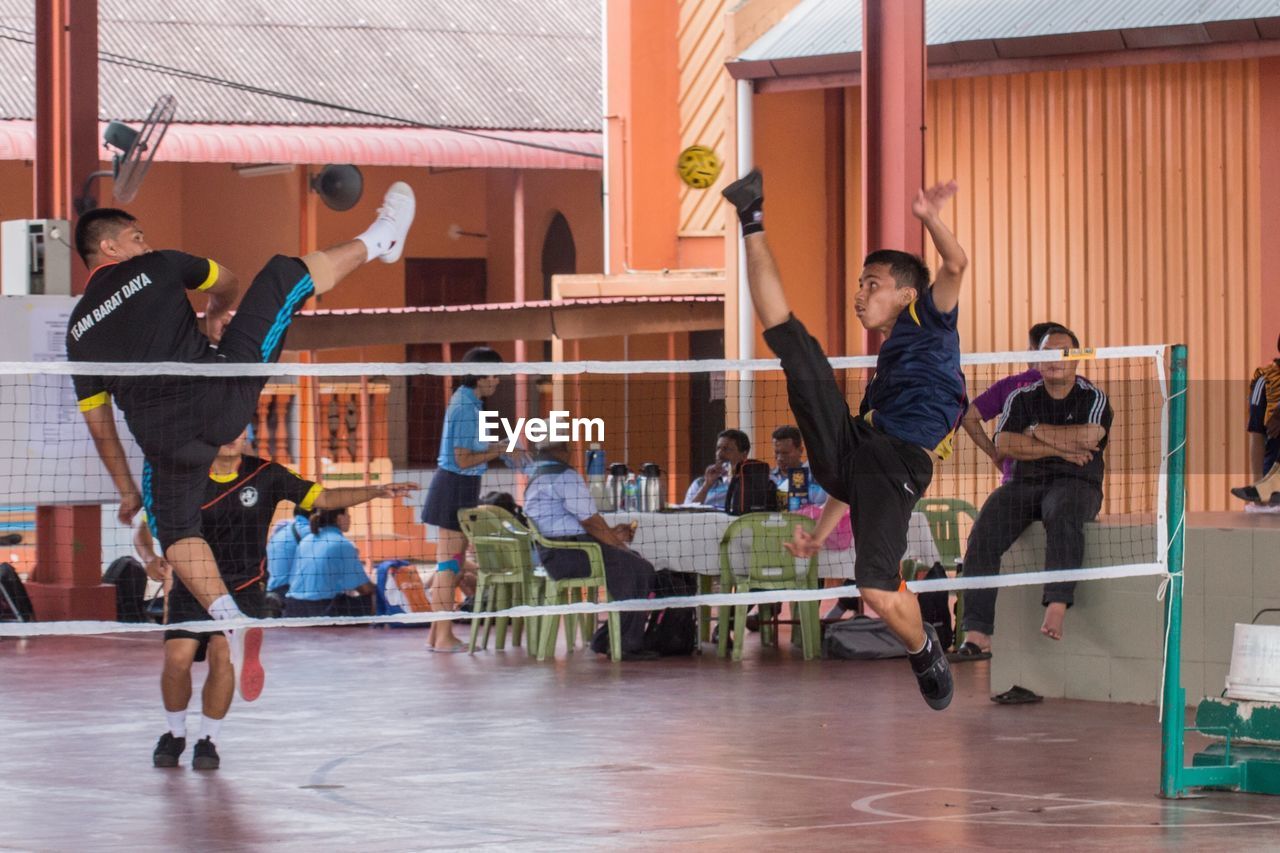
x,y
456,485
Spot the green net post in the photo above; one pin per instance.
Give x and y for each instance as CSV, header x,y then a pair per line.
x,y
1171,758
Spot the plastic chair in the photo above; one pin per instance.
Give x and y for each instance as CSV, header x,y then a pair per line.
x,y
769,566
944,524
564,591
505,569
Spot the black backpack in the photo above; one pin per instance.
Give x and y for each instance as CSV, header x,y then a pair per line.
x,y
935,608
751,489
130,581
15,604
673,631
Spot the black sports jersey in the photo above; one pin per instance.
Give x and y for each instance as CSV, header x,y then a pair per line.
x,y
236,516
918,391
137,310
1032,404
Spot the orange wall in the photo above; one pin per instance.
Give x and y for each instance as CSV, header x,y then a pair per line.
x,y
1120,201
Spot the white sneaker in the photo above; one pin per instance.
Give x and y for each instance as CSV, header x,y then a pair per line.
x,y
387,234
246,648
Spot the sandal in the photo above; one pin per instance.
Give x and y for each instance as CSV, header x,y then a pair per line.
x,y
967,652
1016,695
456,648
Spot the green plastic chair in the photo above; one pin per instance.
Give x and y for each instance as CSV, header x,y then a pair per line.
x,y
944,524
770,566
505,571
580,589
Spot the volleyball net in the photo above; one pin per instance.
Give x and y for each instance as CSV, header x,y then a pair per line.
x,y
660,448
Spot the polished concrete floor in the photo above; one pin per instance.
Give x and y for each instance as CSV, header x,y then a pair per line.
x,y
363,741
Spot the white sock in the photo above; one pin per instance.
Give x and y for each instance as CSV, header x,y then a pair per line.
x,y
224,608
177,722
376,239
209,728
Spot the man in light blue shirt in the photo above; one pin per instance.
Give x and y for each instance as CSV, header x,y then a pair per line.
x,y
788,454
712,488
559,504
328,575
282,549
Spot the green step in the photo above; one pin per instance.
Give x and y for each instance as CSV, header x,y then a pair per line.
x,y
1244,720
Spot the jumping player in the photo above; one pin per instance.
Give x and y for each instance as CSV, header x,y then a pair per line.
x,y
135,309
240,498
880,463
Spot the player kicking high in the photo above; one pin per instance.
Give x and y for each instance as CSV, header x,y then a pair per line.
x,y
135,309
878,464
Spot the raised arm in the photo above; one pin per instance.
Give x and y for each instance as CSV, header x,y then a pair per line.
x,y
102,426
927,207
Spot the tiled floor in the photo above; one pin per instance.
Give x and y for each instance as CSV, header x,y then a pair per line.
x,y
363,741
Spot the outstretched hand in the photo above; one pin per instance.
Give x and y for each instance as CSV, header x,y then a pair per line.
x,y
803,544
929,203
397,490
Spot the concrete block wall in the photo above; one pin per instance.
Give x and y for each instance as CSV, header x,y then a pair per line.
x,y
1112,649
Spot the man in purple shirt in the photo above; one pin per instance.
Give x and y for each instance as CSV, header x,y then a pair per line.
x,y
990,403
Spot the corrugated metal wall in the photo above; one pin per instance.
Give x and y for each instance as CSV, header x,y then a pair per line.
x,y
702,109
1124,203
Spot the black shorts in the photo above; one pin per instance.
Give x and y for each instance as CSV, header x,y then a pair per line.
x,y
181,445
181,606
881,477
448,493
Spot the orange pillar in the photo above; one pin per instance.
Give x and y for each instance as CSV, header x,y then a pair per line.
x,y
893,93
66,582
1269,194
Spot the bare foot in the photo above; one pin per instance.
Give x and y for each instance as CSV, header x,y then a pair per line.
x,y
441,637
1054,615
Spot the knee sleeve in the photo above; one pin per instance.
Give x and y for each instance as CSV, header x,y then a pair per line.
x,y
321,269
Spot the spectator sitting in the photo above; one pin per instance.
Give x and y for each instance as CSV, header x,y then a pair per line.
x,y
991,402
1264,436
328,575
788,454
282,550
558,502
712,488
1056,430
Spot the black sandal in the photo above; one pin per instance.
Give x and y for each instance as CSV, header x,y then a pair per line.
x,y
1016,695
968,651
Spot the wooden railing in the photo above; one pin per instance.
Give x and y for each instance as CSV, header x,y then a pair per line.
x,y
341,409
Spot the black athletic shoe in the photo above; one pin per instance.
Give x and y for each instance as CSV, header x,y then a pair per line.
x,y
747,192
933,673
205,756
168,749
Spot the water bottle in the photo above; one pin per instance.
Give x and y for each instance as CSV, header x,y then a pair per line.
x,y
595,477
632,494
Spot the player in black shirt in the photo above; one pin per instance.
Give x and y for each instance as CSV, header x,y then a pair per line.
x,y
240,496
135,309
1056,430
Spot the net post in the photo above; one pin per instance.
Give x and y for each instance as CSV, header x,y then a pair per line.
x,y
1174,703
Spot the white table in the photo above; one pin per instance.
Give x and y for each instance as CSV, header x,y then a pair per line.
x,y
690,542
